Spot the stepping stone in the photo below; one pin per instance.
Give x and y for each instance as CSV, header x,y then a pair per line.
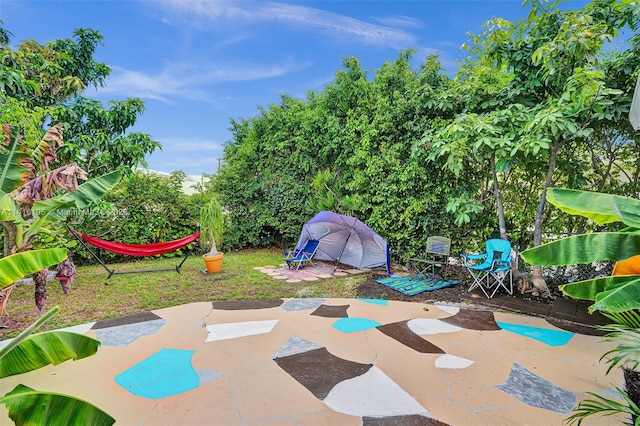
x,y
278,277
293,280
311,278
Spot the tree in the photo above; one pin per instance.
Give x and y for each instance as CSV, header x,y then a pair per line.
x,y
96,137
34,198
555,94
43,84
40,100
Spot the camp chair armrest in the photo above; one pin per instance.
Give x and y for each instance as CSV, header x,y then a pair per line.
x,y
436,254
498,263
467,257
427,260
474,256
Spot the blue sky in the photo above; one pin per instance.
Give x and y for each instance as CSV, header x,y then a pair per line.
x,y
198,64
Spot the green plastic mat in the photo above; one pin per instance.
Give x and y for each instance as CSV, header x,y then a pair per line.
x,y
415,284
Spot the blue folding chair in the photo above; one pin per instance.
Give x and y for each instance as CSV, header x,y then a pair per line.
x,y
305,254
490,270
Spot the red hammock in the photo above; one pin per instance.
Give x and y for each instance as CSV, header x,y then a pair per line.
x,y
140,249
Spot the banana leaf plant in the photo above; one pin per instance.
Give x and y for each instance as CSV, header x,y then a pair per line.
x,y
614,296
28,352
33,197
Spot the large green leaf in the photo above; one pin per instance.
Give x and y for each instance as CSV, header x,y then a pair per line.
x,y
589,289
9,209
42,349
54,209
621,297
585,248
84,195
599,207
29,407
47,211
93,189
13,172
16,266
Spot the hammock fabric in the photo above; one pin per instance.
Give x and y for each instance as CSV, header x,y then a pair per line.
x,y
140,249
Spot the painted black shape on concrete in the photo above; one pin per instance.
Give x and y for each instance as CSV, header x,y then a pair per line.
x,y
129,319
319,370
409,420
401,332
332,311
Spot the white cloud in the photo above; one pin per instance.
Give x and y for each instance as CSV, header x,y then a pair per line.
x,y
246,12
400,21
189,81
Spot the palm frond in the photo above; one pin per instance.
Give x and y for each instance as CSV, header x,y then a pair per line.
x,y
627,351
604,407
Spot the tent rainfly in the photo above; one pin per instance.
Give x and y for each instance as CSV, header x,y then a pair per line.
x,y
345,239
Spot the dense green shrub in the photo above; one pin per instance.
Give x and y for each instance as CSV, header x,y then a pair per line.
x,y
144,208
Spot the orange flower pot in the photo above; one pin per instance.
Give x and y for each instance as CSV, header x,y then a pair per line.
x,y
213,263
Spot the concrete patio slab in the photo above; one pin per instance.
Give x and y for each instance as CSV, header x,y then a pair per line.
x,y
332,361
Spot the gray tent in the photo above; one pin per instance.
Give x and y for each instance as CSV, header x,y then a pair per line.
x,y
345,239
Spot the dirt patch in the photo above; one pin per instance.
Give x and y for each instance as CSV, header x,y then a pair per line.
x,y
453,294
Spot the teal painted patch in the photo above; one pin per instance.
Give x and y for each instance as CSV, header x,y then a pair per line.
x,y
165,373
374,301
544,335
350,325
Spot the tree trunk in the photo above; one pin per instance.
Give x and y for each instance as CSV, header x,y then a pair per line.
x,y
536,271
40,281
499,206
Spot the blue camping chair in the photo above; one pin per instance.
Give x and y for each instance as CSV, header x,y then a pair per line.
x,y
305,254
491,270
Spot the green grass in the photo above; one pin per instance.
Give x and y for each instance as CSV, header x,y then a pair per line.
x,y
94,297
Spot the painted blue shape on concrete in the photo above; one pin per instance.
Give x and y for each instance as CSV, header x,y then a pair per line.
x,y
350,325
544,335
165,373
375,301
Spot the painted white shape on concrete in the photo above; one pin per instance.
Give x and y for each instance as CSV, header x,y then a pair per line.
x,y
80,329
239,329
372,394
431,326
449,309
452,362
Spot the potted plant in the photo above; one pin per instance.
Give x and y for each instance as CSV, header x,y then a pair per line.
x,y
212,229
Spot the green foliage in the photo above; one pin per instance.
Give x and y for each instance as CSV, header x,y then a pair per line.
x,y
28,352
43,84
351,148
613,295
17,266
625,354
97,138
212,225
143,208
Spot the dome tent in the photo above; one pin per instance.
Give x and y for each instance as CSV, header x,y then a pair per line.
x,y
345,239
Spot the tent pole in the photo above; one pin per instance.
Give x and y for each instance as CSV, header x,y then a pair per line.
x,y
342,251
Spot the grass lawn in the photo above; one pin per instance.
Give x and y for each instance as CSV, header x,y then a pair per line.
x,y
94,297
